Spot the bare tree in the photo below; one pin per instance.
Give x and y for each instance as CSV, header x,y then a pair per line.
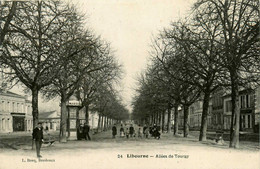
x,y
94,81
29,49
8,10
239,21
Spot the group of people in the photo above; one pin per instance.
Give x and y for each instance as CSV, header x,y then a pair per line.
x,y
37,135
152,131
83,132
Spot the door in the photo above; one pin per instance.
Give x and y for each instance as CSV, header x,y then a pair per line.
x,y
18,123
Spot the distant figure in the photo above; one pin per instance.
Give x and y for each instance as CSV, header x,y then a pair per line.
x,y
38,138
46,128
151,130
122,133
80,132
139,133
132,130
127,133
146,132
144,128
86,131
155,131
114,131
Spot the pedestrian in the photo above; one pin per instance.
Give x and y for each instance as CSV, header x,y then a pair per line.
x,y
151,130
114,131
122,133
86,131
146,132
80,132
132,130
139,133
144,128
38,138
127,133
155,131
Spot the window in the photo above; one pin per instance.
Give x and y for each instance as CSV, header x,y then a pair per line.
x,y
243,121
8,106
249,121
13,107
3,124
247,101
219,119
242,102
228,106
192,110
17,107
22,108
7,124
3,106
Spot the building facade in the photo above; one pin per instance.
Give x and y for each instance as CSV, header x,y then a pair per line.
x,y
15,112
257,109
50,120
195,114
217,114
246,108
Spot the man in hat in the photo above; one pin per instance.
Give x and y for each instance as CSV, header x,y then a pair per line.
x,y
86,131
38,138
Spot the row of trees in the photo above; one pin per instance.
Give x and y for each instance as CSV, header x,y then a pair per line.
x,y
46,47
216,46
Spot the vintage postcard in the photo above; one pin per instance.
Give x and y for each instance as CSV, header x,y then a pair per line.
x,y
129,84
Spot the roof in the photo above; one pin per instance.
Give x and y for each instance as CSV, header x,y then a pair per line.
x,y
8,93
241,92
49,114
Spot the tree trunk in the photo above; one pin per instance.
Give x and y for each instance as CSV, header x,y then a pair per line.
x,y
203,127
102,123
105,123
68,123
169,120
99,121
176,117
235,120
108,123
87,114
186,123
163,118
153,118
63,122
158,118
77,118
35,112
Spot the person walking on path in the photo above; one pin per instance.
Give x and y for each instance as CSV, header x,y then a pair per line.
x,y
38,138
131,132
127,133
156,133
139,133
122,133
86,131
146,132
114,131
144,128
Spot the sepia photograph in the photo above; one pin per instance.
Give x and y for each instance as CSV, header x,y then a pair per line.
x,y
129,84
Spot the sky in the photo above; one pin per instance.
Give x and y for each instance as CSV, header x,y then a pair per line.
x,y
129,26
